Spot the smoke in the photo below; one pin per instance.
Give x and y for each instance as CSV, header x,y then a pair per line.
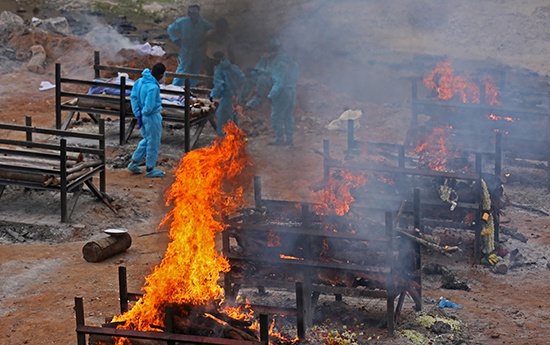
x,y
106,39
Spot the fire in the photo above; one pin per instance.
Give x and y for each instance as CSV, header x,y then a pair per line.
x,y
289,257
206,189
435,151
337,195
449,85
501,118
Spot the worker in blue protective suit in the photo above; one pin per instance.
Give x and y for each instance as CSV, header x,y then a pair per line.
x,y
146,106
228,79
284,74
259,78
189,33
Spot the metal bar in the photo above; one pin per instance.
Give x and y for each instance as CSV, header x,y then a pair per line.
x,y
301,230
28,123
63,180
498,154
474,107
123,289
52,147
258,192
103,173
101,111
122,109
407,171
416,246
312,264
300,311
160,336
57,96
72,203
390,302
264,329
187,105
80,321
55,132
169,323
97,62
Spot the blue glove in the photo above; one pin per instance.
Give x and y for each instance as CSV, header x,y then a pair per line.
x,y
445,303
211,99
140,122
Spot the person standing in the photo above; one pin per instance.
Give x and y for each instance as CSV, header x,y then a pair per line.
x,y
146,106
188,33
228,79
284,74
260,77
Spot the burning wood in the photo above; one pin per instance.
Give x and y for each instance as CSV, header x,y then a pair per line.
x,y
206,188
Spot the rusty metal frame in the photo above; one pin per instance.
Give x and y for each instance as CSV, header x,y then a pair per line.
x,y
120,105
303,267
29,148
502,143
166,336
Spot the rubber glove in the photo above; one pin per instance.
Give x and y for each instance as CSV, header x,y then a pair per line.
x,y
445,303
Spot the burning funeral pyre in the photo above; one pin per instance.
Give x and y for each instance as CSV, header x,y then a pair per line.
x,y
208,187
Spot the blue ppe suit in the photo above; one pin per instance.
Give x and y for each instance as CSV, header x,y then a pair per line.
x,y
146,102
191,38
228,79
284,74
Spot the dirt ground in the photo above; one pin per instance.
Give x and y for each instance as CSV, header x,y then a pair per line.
x,y
363,55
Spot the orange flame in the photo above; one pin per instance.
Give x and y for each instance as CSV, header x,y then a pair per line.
x,y
501,118
337,195
435,151
449,85
206,189
289,257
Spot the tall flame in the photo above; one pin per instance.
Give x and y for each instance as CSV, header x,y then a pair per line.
x,y
207,187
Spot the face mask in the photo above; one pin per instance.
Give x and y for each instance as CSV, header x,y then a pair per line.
x,y
162,80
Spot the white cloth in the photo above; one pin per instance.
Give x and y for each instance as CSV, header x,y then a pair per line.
x,y
46,85
341,123
147,49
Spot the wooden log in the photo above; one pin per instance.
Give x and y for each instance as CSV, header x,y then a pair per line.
x,y
77,174
427,244
43,179
22,161
103,248
105,102
15,235
73,156
83,165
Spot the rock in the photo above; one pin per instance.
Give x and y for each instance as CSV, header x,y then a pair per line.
x,y
58,25
38,59
153,8
9,22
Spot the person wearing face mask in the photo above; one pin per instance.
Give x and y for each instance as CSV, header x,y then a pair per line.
x,y
189,34
146,106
